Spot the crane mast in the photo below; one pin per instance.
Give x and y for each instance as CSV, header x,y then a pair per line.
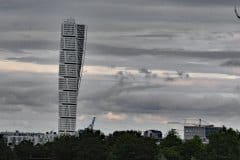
x,y
90,127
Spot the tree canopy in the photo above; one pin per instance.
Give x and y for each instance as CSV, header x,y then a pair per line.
x,y
127,145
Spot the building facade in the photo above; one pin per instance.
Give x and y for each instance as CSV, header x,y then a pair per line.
x,y
14,138
72,51
155,134
202,131
191,131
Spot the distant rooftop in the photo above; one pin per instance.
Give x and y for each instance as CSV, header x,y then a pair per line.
x,y
155,131
69,20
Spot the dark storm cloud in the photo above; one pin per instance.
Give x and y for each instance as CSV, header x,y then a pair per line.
x,y
32,98
202,2
232,63
133,97
109,100
10,109
28,5
20,45
119,34
147,73
23,4
108,50
164,35
159,102
15,4
121,51
37,60
44,15
35,91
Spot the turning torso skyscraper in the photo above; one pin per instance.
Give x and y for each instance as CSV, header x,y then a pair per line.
x,y
72,51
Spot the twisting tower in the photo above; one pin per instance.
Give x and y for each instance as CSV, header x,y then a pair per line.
x,y
72,53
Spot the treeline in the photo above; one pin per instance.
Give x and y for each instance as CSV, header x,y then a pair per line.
x,y
128,145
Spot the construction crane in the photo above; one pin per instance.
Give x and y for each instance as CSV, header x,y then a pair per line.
x,y
200,122
90,127
182,123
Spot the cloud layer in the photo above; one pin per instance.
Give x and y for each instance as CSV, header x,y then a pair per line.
x,y
147,62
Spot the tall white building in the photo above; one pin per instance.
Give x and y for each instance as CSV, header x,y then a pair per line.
x,y
72,51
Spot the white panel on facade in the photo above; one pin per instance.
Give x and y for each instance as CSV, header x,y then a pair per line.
x,y
62,70
70,57
69,70
67,110
68,84
69,43
72,83
191,131
68,97
67,124
72,70
62,84
68,29
62,57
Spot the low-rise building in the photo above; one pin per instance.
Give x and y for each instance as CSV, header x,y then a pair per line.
x,y
15,138
155,134
202,131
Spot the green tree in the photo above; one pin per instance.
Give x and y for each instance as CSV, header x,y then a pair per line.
x,y
24,150
91,146
41,151
170,146
63,147
131,146
193,149
5,152
224,145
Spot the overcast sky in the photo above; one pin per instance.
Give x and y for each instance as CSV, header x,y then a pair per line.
x,y
148,62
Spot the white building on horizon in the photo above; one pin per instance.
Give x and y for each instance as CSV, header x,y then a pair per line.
x,y
15,138
155,134
72,51
202,131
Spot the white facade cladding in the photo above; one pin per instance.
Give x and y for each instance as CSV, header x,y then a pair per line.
x,y
202,131
72,51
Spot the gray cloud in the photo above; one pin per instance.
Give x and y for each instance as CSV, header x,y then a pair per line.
x,y
173,35
121,51
164,35
187,2
232,63
148,73
19,46
10,109
163,99
109,100
37,60
30,90
14,4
